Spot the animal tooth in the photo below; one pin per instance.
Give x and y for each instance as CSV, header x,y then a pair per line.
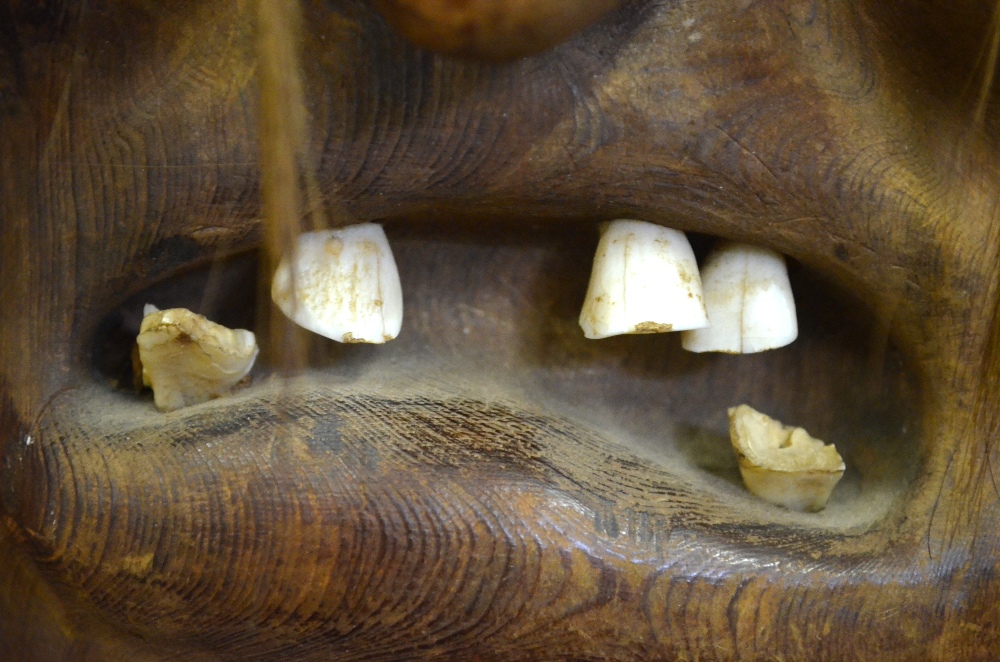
x,y
749,301
187,359
644,280
345,285
782,464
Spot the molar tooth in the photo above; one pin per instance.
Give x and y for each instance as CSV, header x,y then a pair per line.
x,y
749,302
644,280
345,285
187,359
782,464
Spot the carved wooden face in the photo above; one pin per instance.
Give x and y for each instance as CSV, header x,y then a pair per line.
x,y
491,484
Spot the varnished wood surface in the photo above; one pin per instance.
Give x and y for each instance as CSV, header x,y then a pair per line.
x,y
492,485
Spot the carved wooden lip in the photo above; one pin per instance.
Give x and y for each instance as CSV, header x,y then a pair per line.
x,y
477,324
489,431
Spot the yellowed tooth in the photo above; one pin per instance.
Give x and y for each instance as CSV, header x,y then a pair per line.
x,y
644,280
783,464
345,285
187,359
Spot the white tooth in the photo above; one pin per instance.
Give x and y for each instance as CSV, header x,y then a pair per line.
x,y
645,280
345,285
187,359
749,302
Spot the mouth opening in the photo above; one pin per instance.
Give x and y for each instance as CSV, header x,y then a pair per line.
x,y
491,316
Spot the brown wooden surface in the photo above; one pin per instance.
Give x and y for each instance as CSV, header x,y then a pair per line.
x,y
490,484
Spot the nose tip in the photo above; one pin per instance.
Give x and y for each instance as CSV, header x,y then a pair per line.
x,y
493,30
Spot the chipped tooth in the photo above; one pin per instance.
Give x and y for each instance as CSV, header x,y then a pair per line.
x,y
345,285
749,302
644,280
783,464
187,359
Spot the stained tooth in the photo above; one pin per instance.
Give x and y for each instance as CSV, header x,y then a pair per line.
x,y
187,359
645,280
749,302
782,464
345,285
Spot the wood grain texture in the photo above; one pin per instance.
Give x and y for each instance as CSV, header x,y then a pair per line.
x,y
490,485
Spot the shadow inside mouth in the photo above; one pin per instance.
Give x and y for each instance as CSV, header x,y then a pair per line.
x,y
491,320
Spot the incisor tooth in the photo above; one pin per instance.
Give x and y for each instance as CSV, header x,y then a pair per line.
x,y
187,359
345,286
749,302
645,280
782,464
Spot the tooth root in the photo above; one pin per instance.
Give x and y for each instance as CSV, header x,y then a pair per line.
x,y
749,302
342,284
644,280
